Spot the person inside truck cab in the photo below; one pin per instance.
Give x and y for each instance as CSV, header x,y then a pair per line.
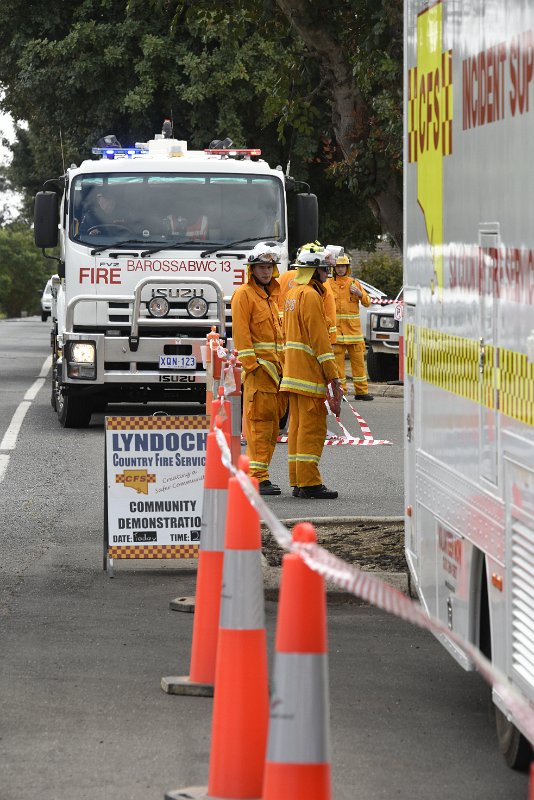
x,y
102,215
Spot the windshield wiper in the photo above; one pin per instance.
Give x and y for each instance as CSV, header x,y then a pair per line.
x,y
205,253
102,247
183,245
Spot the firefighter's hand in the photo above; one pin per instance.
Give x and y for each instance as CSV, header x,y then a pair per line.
x,y
354,290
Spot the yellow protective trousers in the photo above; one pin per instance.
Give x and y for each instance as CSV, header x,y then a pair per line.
x,y
357,362
306,435
261,404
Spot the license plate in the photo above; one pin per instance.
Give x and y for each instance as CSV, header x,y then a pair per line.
x,y
177,362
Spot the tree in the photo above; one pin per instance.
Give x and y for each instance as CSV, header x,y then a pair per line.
x,y
92,67
357,45
23,271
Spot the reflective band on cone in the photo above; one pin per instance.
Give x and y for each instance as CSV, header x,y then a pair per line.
x,y
241,701
209,578
298,750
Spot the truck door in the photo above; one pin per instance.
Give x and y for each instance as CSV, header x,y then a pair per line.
x,y
489,242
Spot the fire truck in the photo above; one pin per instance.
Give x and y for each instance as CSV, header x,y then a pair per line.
x,y
153,240
469,332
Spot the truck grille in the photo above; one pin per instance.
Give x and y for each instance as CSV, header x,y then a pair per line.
x,y
523,601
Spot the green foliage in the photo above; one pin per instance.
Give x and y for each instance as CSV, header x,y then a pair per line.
x,y
80,69
23,271
383,271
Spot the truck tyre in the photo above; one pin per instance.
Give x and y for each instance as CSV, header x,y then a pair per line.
x,y
44,316
72,411
515,748
382,366
54,391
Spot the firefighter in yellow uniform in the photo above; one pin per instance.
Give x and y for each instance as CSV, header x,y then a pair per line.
x,y
257,334
349,294
287,280
309,366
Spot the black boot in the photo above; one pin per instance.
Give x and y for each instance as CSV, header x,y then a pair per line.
x,y
363,397
317,492
268,488
296,491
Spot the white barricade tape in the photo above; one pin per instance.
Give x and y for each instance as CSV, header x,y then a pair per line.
x,y
379,594
333,440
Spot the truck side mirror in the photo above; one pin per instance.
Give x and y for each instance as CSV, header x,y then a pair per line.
x,y
306,219
46,219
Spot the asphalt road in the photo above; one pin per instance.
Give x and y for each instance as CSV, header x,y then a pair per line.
x,y
82,656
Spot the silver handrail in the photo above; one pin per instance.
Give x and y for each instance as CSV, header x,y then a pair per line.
x,y
179,322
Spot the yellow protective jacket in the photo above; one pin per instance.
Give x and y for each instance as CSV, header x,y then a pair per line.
x,y
349,329
309,363
256,329
287,281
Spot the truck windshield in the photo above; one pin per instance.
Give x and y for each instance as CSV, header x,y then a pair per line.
x,y
107,209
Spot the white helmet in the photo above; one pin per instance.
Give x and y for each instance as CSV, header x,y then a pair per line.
x,y
265,253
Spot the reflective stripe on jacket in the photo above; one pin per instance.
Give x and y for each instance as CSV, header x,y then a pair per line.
x,y
309,362
349,329
256,329
287,281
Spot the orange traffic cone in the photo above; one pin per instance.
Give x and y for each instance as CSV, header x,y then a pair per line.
x,y
209,579
241,701
232,383
220,408
298,765
211,388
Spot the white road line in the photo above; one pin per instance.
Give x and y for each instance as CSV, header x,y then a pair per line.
x,y
4,461
46,367
33,391
9,440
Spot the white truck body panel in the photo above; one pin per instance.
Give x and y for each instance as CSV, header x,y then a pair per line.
x,y
469,321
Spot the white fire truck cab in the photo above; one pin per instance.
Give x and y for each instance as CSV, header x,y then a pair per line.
x,y
469,332
153,241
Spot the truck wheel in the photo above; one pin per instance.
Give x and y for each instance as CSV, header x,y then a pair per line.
x,y
374,366
515,748
73,412
382,366
44,316
53,393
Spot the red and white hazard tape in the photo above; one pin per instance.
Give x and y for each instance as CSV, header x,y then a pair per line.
x,y
382,301
333,440
374,591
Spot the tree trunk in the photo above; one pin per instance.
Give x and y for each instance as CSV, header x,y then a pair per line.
x,y
350,114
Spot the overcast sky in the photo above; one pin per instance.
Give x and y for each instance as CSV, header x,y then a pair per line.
x,y
7,131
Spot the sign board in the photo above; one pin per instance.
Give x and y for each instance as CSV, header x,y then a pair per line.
x,y
154,486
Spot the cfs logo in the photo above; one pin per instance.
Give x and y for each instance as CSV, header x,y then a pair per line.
x,y
430,115
136,479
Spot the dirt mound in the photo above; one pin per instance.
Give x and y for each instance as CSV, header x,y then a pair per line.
x,y
368,545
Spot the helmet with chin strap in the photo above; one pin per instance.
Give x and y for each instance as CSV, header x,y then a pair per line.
x,y
309,258
264,253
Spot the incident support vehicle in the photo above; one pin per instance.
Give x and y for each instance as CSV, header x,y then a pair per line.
x,y
153,240
469,331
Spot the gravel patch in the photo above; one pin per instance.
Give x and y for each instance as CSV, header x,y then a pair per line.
x,y
373,546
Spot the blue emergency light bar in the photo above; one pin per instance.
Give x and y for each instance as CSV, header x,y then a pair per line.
x,y
111,152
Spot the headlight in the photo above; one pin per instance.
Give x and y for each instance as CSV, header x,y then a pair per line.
x,y
383,323
158,307
82,352
197,307
81,357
